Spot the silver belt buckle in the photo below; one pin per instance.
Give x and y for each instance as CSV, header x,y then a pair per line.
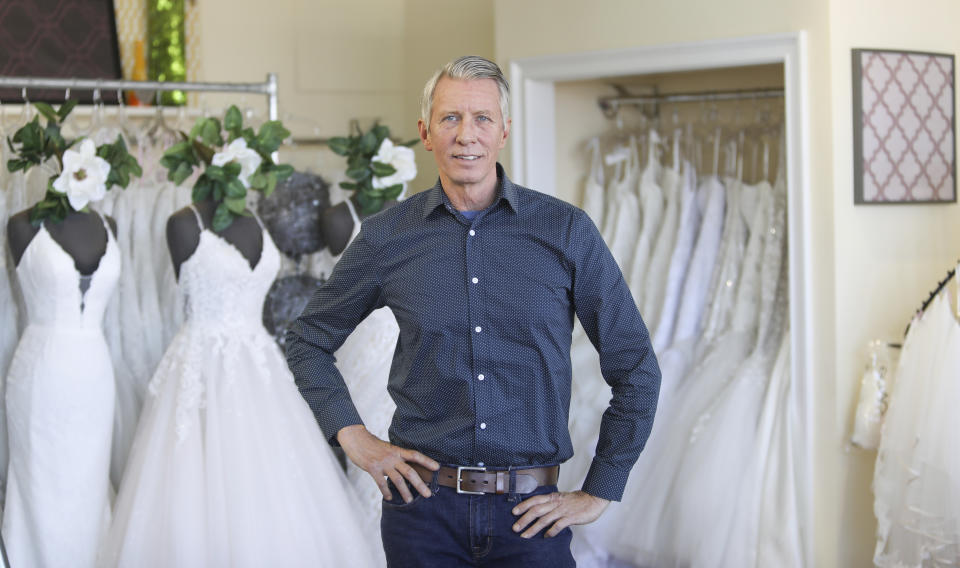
x,y
460,470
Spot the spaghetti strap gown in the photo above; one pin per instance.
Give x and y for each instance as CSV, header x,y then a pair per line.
x,y
228,466
60,404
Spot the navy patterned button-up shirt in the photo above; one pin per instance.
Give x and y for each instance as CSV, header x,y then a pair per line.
x,y
481,371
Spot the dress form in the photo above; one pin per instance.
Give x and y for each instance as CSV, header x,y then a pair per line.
x,y
338,222
183,233
82,235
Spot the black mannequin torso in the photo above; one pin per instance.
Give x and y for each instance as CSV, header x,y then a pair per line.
x,y
183,234
81,235
338,224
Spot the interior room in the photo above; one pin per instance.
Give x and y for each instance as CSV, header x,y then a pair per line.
x,y
637,113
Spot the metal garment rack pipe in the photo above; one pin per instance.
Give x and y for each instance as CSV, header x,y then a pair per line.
x,y
268,87
694,97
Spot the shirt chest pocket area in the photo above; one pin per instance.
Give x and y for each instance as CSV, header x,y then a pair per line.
x,y
529,294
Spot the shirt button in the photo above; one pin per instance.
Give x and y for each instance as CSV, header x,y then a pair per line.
x,y
483,425
480,377
472,232
475,280
478,329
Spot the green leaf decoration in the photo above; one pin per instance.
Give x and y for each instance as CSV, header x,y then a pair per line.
x,y
236,189
369,204
339,145
47,111
271,183
258,180
381,170
368,143
216,173
348,185
181,173
283,171
202,189
271,135
359,174
65,109
236,205
222,218
393,191
222,184
231,170
122,164
233,122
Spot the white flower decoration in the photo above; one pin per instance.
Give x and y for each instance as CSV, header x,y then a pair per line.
x,y
239,152
401,158
84,176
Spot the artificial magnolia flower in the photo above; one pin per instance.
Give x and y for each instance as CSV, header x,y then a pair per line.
x,y
401,158
84,176
238,152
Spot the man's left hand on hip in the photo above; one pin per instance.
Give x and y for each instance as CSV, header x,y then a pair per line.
x,y
560,509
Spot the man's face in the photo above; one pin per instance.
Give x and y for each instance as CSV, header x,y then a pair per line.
x,y
466,130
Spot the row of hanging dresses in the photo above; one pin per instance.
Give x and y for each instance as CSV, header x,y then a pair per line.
x,y
706,263
916,481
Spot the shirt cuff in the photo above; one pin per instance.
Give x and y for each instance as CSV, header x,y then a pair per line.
x,y
605,481
337,417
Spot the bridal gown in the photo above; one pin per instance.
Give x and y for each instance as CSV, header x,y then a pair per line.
x,y
644,534
228,466
652,202
60,404
364,360
917,474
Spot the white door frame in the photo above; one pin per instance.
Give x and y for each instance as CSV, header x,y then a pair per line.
x,y
533,153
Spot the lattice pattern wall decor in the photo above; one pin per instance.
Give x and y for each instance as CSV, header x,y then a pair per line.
x,y
903,120
58,38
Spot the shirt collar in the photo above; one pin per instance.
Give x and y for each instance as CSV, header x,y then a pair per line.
x,y
507,191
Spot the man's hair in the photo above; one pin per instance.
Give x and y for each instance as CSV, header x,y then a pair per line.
x,y
468,67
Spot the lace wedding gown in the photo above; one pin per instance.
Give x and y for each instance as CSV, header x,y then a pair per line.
x,y
917,475
60,403
228,466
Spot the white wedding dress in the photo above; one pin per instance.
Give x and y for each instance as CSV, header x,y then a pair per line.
x,y
364,360
228,466
60,404
916,481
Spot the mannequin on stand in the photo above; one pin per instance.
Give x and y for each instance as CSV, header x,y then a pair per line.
x,y
228,467
340,221
81,235
183,233
60,393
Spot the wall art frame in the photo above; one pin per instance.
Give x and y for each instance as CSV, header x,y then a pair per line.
x,y
904,141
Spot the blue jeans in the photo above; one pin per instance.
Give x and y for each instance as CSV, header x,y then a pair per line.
x,y
450,529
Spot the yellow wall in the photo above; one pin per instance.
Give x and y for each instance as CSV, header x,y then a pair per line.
x,y
337,61
887,257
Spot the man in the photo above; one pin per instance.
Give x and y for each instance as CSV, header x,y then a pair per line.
x,y
484,278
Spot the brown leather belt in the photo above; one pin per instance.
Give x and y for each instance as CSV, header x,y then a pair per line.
x,y
476,480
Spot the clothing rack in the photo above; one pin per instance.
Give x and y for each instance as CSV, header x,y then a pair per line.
x,y
268,87
610,105
933,293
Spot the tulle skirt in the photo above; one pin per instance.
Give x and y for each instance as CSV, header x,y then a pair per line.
x,y
229,468
917,477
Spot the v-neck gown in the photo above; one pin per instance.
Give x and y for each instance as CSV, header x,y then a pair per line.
x,y
228,466
60,403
